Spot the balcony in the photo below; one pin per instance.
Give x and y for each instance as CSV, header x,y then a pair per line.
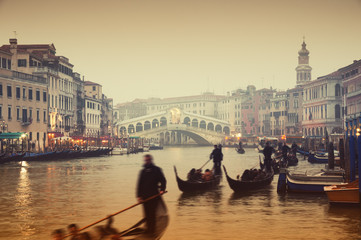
x,y
26,122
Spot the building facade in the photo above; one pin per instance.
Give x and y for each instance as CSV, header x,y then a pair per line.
x,y
23,104
351,81
322,106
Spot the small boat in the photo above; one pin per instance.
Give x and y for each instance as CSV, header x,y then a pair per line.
x,y
307,182
240,150
302,152
119,151
155,147
343,193
239,186
313,158
197,186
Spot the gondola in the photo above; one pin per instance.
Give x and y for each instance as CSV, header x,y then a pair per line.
x,y
243,186
240,150
196,186
137,232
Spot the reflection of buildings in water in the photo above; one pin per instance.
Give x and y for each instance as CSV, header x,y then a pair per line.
x,y
23,201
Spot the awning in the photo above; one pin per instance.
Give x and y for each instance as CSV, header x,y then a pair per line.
x,y
11,135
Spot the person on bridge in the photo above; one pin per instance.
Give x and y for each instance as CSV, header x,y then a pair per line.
x,y
217,157
151,182
267,152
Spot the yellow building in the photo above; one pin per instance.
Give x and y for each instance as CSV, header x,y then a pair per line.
x,y
23,104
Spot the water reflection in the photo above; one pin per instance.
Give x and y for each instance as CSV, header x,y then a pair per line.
x,y
23,201
41,196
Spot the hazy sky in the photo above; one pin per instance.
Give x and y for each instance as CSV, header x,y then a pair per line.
x,y
165,48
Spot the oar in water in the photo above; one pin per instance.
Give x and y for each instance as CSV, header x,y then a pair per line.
x,y
121,211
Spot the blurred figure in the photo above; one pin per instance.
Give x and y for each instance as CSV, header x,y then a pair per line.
x,y
207,176
217,157
151,182
57,234
267,152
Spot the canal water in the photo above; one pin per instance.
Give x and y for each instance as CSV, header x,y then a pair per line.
x,y
38,197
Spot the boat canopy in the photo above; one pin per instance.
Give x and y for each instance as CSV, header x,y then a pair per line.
x,y
12,135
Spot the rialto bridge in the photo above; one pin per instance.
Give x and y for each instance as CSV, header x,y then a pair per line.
x,y
175,126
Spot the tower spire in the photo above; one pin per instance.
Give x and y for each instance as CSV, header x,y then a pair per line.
x,y
303,69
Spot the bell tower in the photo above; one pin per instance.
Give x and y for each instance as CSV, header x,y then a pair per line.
x,y
303,69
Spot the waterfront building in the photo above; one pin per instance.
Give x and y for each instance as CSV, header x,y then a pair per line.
x,y
293,124
278,113
263,119
205,104
78,105
229,110
106,123
23,103
93,103
351,81
322,105
41,60
129,110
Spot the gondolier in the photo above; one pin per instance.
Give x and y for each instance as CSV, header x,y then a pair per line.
x,y
151,182
267,152
217,157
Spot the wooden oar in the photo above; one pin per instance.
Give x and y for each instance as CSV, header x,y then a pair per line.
x,y
123,210
205,163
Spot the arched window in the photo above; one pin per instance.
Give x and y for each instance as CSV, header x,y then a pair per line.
x,y
203,124
195,123
187,121
218,128
131,128
163,121
139,127
210,126
155,123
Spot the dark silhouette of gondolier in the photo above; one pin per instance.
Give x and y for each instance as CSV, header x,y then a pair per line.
x,y
217,157
267,152
151,182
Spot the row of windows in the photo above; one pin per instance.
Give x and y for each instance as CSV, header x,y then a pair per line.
x,y
5,63
92,118
24,93
92,105
65,70
24,114
350,73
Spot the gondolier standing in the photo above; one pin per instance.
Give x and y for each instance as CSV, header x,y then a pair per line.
x,y
267,152
151,182
217,157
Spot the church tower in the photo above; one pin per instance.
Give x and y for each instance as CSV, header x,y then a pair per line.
x,y
303,69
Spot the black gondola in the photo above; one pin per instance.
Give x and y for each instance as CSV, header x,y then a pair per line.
x,y
240,150
197,186
243,186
